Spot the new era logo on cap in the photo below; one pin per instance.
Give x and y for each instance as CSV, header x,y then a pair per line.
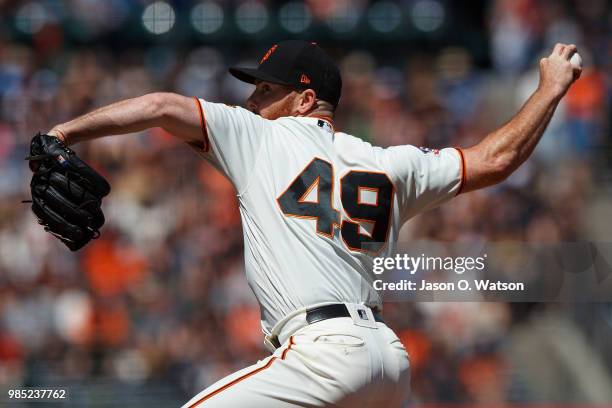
x,y
304,79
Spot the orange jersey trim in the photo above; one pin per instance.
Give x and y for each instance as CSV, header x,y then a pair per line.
x,y
243,377
462,182
202,124
314,184
375,190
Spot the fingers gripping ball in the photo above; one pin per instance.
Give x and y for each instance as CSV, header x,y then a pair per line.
x,y
66,193
576,60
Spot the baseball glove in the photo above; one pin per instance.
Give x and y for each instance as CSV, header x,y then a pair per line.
x,y
66,192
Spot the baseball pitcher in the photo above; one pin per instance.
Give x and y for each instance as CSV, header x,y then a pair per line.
x,y
317,206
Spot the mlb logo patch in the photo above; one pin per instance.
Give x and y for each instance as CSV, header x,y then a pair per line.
x,y
362,314
429,150
324,125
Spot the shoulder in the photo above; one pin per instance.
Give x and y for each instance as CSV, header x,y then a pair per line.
x,y
288,121
227,109
232,118
354,143
289,126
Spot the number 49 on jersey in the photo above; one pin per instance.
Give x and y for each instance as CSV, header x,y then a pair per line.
x,y
295,201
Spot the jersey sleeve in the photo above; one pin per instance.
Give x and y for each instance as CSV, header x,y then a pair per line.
x,y
233,137
424,178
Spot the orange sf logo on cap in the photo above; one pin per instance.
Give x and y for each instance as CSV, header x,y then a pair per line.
x,y
268,53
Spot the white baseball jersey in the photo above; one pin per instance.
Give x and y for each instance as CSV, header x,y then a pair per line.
x,y
317,205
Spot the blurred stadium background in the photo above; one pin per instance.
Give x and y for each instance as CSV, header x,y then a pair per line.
x,y
158,308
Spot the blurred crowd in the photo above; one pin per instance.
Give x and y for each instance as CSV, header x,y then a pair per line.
x,y
160,297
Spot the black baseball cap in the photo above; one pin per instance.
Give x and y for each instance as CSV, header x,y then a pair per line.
x,y
301,64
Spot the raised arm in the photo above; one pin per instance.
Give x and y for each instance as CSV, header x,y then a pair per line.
x,y
177,114
504,150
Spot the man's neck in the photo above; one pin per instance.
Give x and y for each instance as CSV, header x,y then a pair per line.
x,y
320,114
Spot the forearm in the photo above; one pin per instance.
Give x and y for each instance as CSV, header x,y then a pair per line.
x,y
127,116
509,146
504,150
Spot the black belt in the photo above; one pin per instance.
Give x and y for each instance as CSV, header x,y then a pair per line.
x,y
332,311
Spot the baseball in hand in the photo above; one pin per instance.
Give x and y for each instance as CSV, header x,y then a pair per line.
x,y
576,60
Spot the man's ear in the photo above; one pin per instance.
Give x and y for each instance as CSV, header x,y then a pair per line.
x,y
307,101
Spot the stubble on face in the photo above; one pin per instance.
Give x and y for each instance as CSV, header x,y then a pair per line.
x,y
280,108
272,101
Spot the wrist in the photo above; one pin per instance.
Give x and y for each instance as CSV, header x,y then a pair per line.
x,y
551,93
58,134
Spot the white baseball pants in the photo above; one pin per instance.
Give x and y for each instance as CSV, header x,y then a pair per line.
x,y
331,363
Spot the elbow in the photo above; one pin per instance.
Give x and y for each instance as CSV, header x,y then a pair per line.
x,y
487,165
483,169
501,167
157,104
